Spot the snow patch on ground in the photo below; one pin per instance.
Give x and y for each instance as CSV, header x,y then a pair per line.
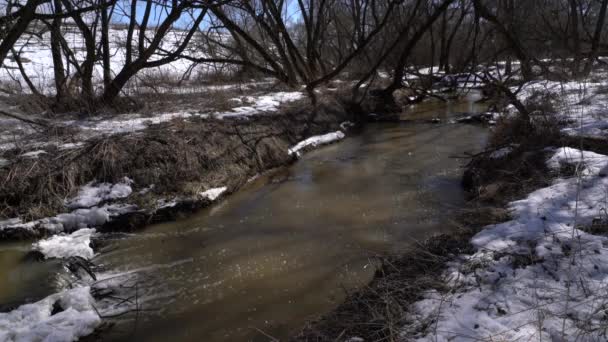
x,y
130,123
136,122
261,104
64,246
315,141
33,154
35,322
536,276
94,193
501,153
213,194
582,107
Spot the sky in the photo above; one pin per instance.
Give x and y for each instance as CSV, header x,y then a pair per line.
x,y
158,14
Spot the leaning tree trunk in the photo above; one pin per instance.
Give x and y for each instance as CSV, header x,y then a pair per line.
x,y
25,17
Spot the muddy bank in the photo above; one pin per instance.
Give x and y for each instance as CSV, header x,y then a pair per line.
x,y
168,164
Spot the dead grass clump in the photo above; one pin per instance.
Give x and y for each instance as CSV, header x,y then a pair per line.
x,y
540,131
542,101
499,181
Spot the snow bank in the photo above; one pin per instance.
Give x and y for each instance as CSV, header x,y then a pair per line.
x,y
213,194
94,193
35,322
315,141
64,246
579,105
534,277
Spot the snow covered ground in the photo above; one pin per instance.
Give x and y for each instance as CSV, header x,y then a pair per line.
x,y
536,277
35,52
581,106
64,316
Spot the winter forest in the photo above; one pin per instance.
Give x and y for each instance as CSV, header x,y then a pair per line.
x,y
303,170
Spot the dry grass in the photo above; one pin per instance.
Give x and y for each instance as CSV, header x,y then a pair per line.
x,y
177,157
378,312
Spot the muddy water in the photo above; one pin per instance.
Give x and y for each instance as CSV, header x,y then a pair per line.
x,y
287,247
290,245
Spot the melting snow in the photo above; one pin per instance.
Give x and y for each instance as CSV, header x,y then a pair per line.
x,y
261,104
536,276
213,194
64,246
581,106
95,193
33,154
315,141
77,219
35,322
501,153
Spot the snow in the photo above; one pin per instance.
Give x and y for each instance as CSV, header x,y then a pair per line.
x,y
35,322
346,125
260,104
165,203
38,63
213,194
130,123
33,154
315,141
536,276
94,193
70,146
77,219
64,246
501,153
581,106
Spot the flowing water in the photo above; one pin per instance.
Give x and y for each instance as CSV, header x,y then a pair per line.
x,y
292,243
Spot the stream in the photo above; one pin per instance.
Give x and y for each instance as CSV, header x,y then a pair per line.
x,y
286,248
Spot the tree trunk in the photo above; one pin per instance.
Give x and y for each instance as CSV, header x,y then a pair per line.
x,y
105,47
58,68
574,35
597,35
26,15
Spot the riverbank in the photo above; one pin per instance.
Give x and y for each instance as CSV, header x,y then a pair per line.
x,y
123,181
528,261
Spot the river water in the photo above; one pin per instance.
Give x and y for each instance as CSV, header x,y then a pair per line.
x,y
288,246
